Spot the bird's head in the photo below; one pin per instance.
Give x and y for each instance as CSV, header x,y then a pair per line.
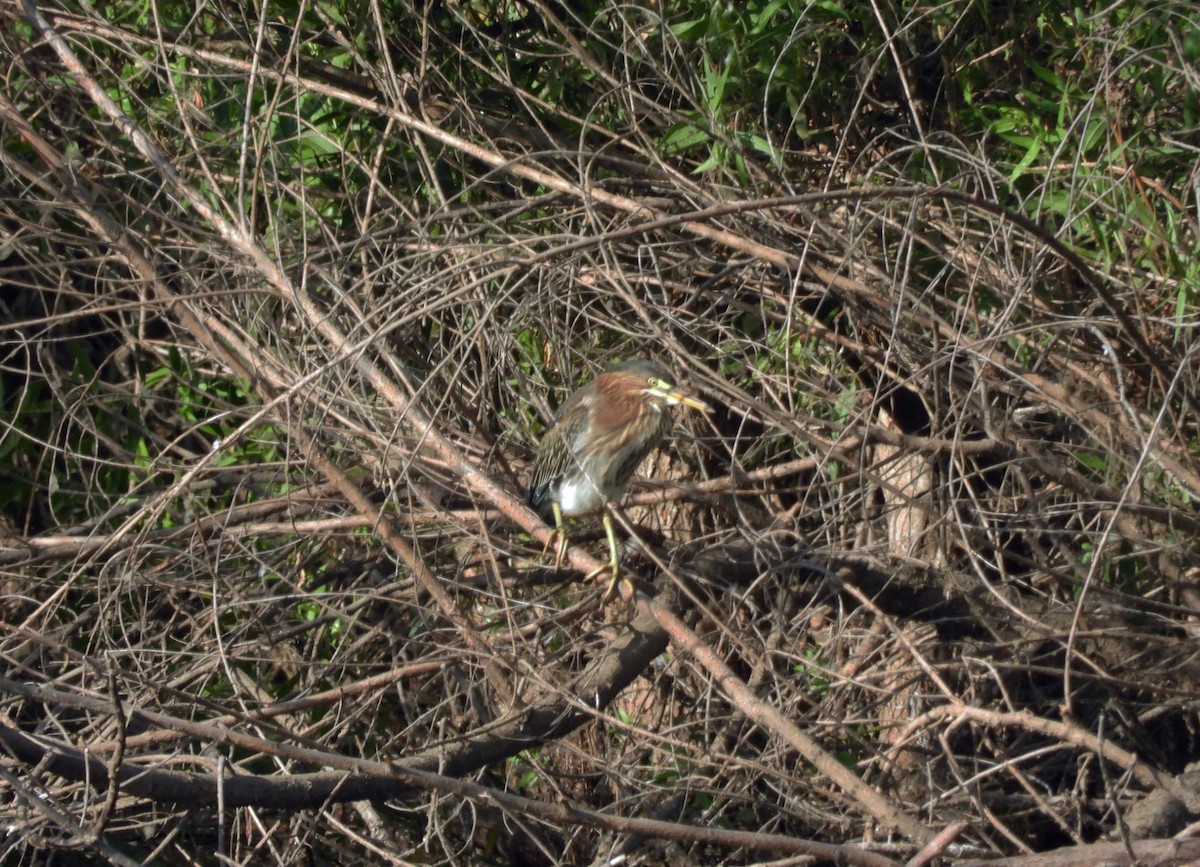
x,y
654,384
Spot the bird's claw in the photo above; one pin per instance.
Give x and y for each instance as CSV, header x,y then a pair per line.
x,y
611,587
558,539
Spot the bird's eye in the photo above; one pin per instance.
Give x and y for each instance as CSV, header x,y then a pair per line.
x,y
656,383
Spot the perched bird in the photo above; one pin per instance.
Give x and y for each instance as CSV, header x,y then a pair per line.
x,y
600,435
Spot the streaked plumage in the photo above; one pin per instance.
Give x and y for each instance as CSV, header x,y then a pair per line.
x,y
601,434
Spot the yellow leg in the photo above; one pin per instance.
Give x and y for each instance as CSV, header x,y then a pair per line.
x,y
614,562
558,538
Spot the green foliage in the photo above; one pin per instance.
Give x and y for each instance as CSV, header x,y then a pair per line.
x,y
1078,108
439,180
1117,568
773,60
814,671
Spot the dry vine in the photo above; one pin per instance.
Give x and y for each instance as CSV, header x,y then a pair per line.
x,y
923,588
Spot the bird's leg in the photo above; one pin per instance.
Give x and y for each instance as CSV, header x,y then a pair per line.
x,y
558,538
614,562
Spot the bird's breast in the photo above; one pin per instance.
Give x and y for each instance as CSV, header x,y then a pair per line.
x,y
577,494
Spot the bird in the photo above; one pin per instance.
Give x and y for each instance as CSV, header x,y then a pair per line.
x,y
598,438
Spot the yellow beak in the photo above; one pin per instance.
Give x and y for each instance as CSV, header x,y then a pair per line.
x,y
687,400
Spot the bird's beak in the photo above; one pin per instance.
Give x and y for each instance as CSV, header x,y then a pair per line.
x,y
674,396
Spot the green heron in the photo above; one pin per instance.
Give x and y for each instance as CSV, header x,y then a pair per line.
x,y
600,435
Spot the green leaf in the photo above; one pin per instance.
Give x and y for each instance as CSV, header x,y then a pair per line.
x,y
693,29
1030,157
682,138
714,84
832,8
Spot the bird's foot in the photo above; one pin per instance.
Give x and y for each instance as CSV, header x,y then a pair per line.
x,y
611,588
557,538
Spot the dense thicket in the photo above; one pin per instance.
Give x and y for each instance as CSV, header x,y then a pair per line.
x,y
289,294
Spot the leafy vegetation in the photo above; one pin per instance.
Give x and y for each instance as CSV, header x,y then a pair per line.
x,y
282,325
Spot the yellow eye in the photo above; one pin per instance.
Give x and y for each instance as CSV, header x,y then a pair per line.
x,y
656,383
